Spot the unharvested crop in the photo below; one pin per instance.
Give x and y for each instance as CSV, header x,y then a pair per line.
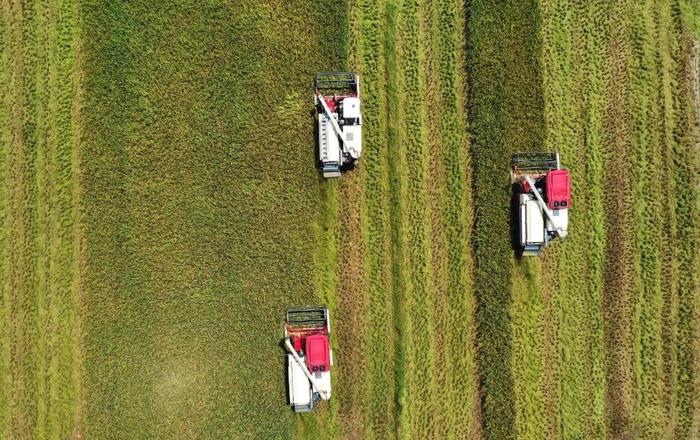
x,y
200,205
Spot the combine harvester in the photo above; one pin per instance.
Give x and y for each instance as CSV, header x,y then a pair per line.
x,y
543,198
307,339
337,102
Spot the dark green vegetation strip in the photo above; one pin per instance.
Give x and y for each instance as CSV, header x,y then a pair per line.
x,y
506,115
200,191
39,370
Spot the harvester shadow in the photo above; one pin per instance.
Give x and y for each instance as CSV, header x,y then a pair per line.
x,y
515,222
317,147
286,370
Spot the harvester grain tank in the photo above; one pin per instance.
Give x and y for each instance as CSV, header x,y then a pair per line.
x,y
543,199
337,102
309,358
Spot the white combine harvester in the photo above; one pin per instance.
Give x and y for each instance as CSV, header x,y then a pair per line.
x,y
543,199
337,101
307,339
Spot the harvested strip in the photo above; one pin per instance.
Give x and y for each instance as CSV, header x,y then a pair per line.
x,y
39,388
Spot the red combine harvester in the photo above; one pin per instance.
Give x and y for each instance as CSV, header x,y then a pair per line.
x,y
543,200
307,339
337,102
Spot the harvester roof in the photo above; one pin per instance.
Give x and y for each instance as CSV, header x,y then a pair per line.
x,y
318,358
558,192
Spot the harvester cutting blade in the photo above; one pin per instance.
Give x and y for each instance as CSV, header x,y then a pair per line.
x,y
538,161
336,82
313,317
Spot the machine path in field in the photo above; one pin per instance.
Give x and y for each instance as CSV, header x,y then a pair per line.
x,y
412,260
39,332
617,121
575,128
366,291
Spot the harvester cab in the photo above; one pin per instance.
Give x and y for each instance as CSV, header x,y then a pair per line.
x,y
309,359
337,102
543,199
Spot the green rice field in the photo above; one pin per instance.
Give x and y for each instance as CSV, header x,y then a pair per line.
x,y
160,208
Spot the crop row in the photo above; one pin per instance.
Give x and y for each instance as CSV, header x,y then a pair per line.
x,y
418,305
412,283
505,116
681,359
367,261
646,143
656,113
452,214
595,31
